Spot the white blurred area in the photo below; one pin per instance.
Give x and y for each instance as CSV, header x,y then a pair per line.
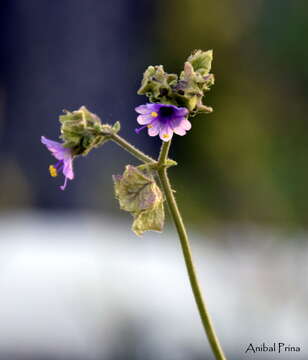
x,y
83,286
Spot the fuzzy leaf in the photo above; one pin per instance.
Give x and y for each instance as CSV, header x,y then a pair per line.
x,y
201,61
83,131
151,219
138,194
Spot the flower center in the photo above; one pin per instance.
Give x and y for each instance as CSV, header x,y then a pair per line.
x,y
166,111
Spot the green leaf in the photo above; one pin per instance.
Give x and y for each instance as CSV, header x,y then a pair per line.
x,y
151,219
116,127
201,61
139,194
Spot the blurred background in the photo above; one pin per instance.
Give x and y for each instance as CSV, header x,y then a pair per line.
x,y
74,282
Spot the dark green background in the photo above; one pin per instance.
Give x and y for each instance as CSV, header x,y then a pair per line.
x,y
246,162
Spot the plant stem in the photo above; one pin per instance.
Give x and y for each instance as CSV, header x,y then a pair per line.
x,y
131,149
163,155
179,224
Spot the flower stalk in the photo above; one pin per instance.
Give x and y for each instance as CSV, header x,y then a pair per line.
x,y
131,149
180,227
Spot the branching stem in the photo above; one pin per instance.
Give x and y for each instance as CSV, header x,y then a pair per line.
x,y
131,149
161,166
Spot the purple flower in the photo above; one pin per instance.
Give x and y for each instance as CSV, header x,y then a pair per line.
x,y
163,120
64,157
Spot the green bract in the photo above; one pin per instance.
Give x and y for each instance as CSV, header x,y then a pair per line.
x,y
157,84
138,194
201,61
186,90
82,130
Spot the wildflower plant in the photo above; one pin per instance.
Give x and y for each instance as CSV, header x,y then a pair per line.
x,y
173,100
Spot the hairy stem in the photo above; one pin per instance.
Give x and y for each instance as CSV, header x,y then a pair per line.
x,y
161,166
132,149
163,155
179,224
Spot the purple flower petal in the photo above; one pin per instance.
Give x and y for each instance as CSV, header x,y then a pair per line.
x,y
165,132
177,121
68,169
56,148
144,119
182,111
65,157
163,119
186,124
157,107
143,109
179,131
153,128
182,127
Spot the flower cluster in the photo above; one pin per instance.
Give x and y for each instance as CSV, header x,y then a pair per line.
x,y
172,100
185,90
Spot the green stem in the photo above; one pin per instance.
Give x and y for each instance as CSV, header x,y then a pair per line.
x,y
163,155
131,149
179,224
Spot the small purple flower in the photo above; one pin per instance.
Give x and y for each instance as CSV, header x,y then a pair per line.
x,y
64,157
163,119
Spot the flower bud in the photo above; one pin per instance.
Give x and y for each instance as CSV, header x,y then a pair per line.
x,y
156,84
82,130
